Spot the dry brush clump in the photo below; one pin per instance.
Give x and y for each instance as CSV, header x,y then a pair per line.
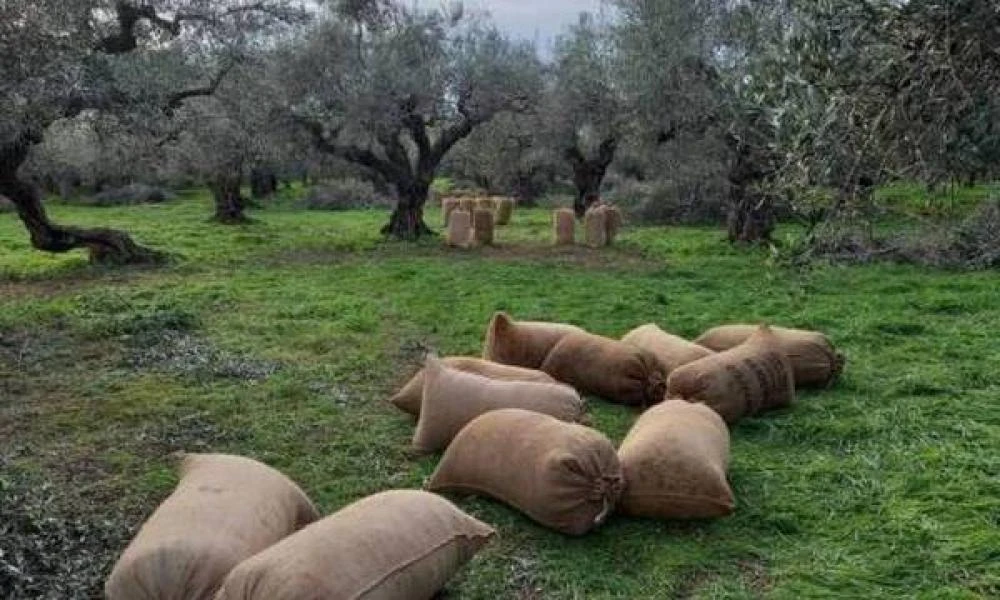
x,y
128,195
344,194
52,546
973,243
673,202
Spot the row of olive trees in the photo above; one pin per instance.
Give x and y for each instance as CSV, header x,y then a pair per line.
x,y
775,98
231,84
137,63
810,104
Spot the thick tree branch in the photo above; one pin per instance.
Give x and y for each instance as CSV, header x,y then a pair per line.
x,y
606,151
354,154
176,100
106,100
573,155
454,132
415,124
418,131
129,14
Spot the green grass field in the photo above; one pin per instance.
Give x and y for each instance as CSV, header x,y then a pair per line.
x,y
283,339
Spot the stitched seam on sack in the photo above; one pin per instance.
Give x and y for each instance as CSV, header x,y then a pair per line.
x,y
482,490
410,562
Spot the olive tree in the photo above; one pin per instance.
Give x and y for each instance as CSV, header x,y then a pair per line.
x,y
585,108
62,59
397,95
508,155
684,70
887,89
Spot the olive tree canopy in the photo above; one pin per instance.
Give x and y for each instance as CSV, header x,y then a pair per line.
x,y
397,94
141,60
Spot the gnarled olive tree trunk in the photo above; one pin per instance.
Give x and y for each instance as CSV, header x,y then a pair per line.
x,y
407,220
588,173
263,182
229,203
106,246
751,213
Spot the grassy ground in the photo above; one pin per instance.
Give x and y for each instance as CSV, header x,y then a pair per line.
x,y
283,339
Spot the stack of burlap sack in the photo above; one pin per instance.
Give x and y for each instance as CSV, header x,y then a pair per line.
x,y
601,224
512,425
236,529
471,221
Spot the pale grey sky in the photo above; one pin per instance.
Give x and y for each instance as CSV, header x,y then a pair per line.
x,y
539,20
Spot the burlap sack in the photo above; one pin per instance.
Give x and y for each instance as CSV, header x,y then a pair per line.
x,y
675,460
814,359
459,229
565,476
613,370
409,398
505,210
522,343
482,227
467,204
595,225
447,207
739,382
564,226
672,351
224,510
452,398
397,545
613,222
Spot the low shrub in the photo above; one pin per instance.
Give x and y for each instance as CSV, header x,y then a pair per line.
x,y
669,202
973,243
344,194
136,193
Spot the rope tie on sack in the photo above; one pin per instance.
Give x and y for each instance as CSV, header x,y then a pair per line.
x,y
656,388
605,490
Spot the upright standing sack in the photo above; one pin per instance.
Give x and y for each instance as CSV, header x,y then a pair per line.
x,y
595,224
505,210
448,206
564,227
459,229
482,227
614,220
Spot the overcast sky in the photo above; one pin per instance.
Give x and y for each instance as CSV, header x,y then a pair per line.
x,y
539,20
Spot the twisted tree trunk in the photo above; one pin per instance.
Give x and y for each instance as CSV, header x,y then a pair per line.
x,y
263,182
106,246
407,220
751,214
588,173
229,204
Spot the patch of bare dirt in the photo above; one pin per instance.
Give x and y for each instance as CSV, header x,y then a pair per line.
x,y
608,258
755,574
